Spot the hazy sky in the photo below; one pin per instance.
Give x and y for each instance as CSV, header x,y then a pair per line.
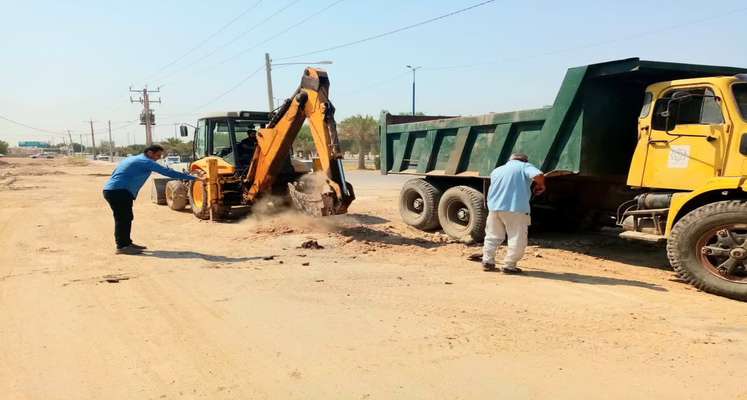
x,y
64,62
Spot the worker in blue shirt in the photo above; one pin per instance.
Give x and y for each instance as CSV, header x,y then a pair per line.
x,y
122,188
508,206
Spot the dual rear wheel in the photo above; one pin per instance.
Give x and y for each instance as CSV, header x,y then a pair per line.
x,y
460,211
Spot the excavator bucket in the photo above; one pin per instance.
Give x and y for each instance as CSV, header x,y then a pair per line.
x,y
319,199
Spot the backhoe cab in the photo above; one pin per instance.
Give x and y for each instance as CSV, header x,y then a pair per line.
x,y
247,155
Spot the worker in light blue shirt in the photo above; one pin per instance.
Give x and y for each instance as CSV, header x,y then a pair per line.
x,y
122,188
508,205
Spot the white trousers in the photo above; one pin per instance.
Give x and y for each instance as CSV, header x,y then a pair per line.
x,y
503,224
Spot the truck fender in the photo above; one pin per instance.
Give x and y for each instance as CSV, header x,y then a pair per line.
x,y
716,189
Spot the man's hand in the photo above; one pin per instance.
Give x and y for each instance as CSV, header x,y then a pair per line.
x,y
539,185
200,175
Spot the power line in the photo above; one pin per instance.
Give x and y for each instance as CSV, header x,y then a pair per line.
x,y
207,39
594,44
304,20
402,29
233,40
31,127
376,84
241,82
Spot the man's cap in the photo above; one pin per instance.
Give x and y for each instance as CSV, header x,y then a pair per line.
x,y
519,157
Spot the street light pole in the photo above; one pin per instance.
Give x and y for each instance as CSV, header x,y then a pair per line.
x,y
268,69
413,85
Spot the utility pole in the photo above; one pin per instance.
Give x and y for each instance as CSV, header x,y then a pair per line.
x,y
268,68
93,140
71,150
111,144
146,117
413,85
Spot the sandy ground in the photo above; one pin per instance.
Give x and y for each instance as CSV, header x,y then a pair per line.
x,y
238,311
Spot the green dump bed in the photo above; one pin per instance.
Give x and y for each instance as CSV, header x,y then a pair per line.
x,y
589,131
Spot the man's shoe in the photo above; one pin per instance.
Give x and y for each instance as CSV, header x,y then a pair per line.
x,y
137,246
511,269
488,267
129,250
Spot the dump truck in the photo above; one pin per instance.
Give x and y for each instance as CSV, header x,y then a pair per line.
x,y
658,149
246,155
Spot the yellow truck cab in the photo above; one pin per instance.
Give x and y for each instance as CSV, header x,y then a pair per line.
x,y
691,161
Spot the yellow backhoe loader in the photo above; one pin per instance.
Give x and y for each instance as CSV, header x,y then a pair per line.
x,y
246,155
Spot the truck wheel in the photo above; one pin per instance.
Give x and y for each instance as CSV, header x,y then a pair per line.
x,y
176,195
418,204
708,248
462,213
198,202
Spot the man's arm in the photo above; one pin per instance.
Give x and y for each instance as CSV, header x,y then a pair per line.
x,y
156,167
539,184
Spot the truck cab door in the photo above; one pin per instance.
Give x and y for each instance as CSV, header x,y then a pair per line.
x,y
687,139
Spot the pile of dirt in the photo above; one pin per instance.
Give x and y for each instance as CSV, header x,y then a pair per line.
x,y
311,245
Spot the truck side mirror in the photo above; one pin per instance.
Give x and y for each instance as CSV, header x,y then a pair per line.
x,y
183,131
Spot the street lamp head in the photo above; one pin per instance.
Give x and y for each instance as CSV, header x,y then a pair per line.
x,y
408,66
325,62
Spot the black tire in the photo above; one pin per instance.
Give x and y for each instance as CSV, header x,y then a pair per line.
x,y
693,238
176,195
418,204
199,206
462,214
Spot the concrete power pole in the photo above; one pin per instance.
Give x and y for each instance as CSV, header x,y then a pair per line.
x,y
93,140
146,117
111,144
71,150
268,68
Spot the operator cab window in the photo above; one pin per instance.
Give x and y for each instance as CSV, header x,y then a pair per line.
x,y
200,143
221,141
740,93
701,108
246,142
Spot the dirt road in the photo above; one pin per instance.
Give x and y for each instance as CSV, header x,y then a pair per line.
x,y
238,311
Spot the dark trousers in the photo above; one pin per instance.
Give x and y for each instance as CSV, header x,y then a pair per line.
x,y
120,201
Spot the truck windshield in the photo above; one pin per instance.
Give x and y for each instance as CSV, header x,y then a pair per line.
x,y
740,93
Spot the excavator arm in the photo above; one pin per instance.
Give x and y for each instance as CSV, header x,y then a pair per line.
x,y
325,193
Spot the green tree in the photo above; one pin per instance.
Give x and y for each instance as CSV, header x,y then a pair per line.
x,y
3,147
174,145
363,132
304,141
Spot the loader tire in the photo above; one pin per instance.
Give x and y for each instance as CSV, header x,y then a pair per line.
x,y
463,214
708,248
418,204
176,195
198,202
